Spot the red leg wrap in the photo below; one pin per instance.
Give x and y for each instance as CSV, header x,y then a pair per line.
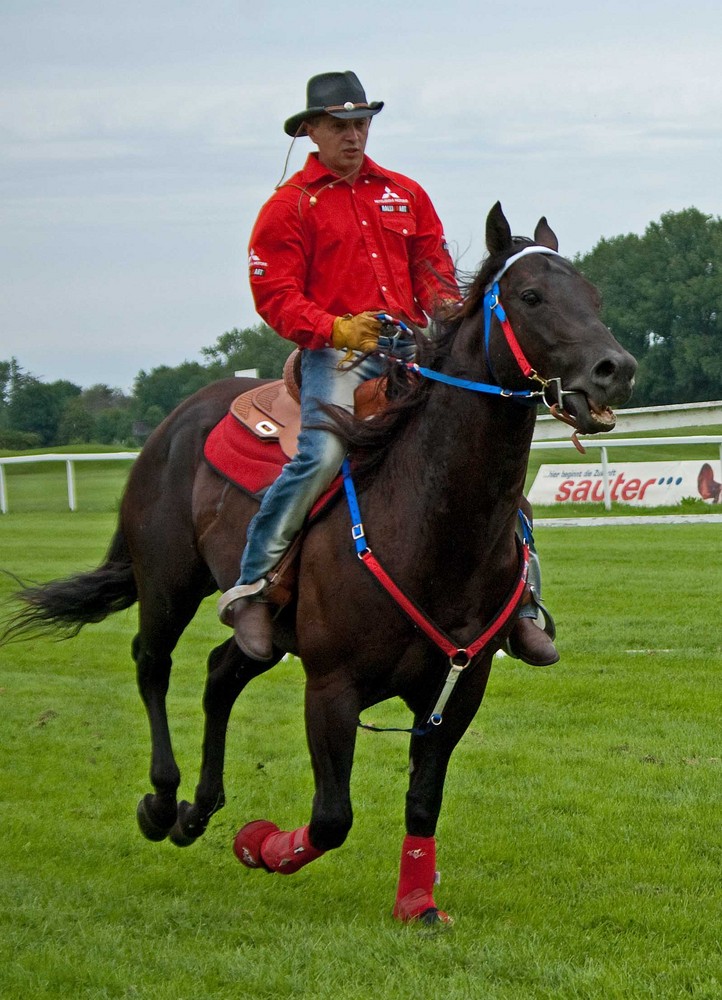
x,y
285,852
247,845
415,894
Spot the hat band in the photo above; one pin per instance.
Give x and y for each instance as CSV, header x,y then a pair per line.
x,y
348,106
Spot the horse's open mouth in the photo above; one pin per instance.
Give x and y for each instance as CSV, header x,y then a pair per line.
x,y
602,415
588,416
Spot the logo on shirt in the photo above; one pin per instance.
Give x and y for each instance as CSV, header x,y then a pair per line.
x,y
256,266
390,201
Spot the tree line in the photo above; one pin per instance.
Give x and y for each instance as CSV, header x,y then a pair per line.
x,y
661,295
662,299
41,414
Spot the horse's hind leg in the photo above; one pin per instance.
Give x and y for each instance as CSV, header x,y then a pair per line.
x,y
228,673
163,618
331,721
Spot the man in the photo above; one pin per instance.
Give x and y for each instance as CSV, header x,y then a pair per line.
x,y
338,243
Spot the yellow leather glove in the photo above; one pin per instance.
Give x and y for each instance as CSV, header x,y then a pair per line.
x,y
356,333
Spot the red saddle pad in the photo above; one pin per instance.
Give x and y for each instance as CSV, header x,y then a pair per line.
x,y
239,456
251,463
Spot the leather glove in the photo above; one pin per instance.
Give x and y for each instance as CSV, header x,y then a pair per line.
x,y
356,333
447,309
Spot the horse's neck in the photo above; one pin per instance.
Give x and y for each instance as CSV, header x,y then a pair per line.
x,y
442,508
457,472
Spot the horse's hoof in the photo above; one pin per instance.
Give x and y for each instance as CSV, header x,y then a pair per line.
x,y
184,832
435,918
430,919
418,907
150,827
248,841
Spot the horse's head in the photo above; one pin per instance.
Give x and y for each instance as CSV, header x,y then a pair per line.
x,y
543,329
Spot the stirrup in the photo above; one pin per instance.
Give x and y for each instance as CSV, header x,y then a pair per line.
x,y
549,625
236,593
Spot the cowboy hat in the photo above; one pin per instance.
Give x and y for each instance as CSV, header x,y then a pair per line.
x,y
338,94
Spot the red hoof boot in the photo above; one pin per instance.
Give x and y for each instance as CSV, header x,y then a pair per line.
x,y
288,852
249,840
420,905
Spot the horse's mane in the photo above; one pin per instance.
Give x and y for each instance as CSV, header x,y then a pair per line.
x,y
406,391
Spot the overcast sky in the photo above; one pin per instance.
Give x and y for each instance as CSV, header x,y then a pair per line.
x,y
138,141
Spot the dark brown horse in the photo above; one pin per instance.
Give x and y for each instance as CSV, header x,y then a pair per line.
x,y
439,479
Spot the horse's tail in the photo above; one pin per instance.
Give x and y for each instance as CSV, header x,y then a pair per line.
x,y
64,606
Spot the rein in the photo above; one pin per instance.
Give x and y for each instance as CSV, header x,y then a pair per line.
x,y
459,657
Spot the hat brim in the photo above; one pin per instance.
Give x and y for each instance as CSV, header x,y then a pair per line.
x,y
295,126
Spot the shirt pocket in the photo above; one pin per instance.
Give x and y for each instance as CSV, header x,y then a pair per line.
x,y
399,223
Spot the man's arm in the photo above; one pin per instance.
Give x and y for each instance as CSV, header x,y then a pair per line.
x,y
278,261
432,269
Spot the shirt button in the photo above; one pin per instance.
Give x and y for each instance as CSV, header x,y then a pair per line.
x,y
405,232
364,222
383,288
374,255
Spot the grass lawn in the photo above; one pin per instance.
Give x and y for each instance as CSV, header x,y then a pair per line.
x,y
580,842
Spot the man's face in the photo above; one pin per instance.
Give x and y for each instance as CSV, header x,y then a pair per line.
x,y
341,144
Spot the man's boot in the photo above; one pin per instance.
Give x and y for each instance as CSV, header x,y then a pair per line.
x,y
530,643
249,616
532,638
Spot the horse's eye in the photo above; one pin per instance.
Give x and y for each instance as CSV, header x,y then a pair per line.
x,y
531,297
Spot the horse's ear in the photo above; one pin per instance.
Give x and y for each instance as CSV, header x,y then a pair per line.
x,y
545,236
498,231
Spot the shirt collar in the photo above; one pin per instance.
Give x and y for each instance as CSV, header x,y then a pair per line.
x,y
314,170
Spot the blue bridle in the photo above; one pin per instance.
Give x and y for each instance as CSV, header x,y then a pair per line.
x,y
492,307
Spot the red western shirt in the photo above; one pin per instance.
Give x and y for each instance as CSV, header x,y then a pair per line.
x,y
321,248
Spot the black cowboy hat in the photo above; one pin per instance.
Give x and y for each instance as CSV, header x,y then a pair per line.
x,y
338,94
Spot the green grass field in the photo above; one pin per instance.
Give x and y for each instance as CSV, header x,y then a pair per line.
x,y
580,842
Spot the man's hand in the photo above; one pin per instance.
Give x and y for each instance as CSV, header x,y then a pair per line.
x,y
356,333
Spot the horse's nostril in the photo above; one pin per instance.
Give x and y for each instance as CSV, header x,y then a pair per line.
x,y
605,370
618,368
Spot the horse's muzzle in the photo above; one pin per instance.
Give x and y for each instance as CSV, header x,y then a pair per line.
x,y
612,378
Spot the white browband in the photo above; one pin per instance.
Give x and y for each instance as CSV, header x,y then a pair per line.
x,y
515,257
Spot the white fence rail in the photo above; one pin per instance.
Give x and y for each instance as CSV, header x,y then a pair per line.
x,y
646,418
69,461
605,445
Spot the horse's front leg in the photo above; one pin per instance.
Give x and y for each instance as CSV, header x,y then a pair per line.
x,y
229,671
428,764
332,709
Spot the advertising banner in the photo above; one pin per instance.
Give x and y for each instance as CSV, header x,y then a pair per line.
x,y
641,484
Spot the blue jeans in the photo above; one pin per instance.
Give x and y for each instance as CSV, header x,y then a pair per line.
x,y
304,479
